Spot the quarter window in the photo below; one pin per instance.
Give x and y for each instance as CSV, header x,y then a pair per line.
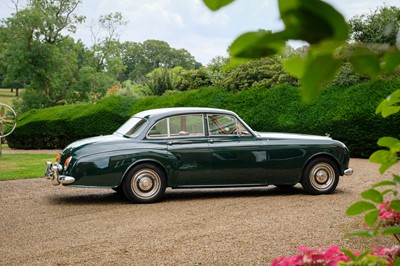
x,y
178,126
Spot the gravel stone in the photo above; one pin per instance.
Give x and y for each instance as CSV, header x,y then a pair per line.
x,y
46,225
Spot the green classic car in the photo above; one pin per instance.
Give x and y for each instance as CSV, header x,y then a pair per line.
x,y
198,148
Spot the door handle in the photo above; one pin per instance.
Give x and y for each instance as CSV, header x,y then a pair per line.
x,y
210,141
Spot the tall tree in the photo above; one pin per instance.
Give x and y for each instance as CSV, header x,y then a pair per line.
x,y
106,47
142,58
38,53
379,26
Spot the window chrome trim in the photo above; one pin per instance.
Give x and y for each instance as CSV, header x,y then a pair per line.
x,y
203,134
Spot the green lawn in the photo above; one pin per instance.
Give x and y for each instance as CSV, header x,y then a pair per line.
x,y
7,97
19,166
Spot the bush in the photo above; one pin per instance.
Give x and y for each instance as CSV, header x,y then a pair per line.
x,y
56,127
346,114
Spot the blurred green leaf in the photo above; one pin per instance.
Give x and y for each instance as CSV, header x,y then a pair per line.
x,y
391,230
295,66
372,195
391,61
312,21
359,207
384,183
395,205
390,110
396,179
257,44
349,254
216,4
366,62
388,106
371,217
385,158
389,142
363,233
318,70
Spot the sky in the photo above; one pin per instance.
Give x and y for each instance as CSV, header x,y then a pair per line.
x,y
190,25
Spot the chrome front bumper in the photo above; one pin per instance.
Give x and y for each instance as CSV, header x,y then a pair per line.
x,y
348,171
52,173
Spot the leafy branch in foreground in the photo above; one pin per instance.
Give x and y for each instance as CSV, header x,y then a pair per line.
x,y
325,29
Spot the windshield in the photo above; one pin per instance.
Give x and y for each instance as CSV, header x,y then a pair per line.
x,y
132,127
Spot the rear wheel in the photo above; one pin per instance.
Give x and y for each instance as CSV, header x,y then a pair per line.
x,y
321,176
145,183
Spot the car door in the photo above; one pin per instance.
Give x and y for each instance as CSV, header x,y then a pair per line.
x,y
187,143
237,157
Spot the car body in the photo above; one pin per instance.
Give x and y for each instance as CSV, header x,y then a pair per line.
x,y
198,148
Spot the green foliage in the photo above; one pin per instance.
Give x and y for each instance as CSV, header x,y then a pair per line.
x,y
390,105
380,26
264,72
36,53
324,28
389,157
373,206
133,91
217,4
347,77
142,58
56,127
160,80
344,113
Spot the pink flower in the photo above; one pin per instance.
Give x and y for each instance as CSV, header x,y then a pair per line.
x,y
330,257
388,216
391,253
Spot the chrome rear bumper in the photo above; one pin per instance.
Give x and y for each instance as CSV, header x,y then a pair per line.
x,y
348,171
52,173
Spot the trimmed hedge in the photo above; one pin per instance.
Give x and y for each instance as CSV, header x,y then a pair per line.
x,y
347,114
56,127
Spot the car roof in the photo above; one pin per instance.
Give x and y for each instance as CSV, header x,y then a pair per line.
x,y
164,112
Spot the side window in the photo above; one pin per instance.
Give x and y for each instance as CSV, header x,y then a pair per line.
x,y
159,130
225,125
178,126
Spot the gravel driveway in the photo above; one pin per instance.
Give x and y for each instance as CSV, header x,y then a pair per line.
x,y
45,225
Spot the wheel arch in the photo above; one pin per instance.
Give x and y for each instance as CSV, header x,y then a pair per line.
x,y
144,161
322,155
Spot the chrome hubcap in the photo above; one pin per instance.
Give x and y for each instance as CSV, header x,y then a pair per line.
x,y
145,183
322,176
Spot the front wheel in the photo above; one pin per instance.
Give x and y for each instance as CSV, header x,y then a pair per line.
x,y
145,183
321,176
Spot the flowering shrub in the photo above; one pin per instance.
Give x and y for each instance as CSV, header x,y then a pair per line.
x,y
331,256
318,66
334,256
387,216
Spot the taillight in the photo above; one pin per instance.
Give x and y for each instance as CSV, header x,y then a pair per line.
x,y
58,157
66,163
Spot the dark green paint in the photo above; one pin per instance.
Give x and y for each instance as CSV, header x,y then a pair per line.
x,y
207,161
